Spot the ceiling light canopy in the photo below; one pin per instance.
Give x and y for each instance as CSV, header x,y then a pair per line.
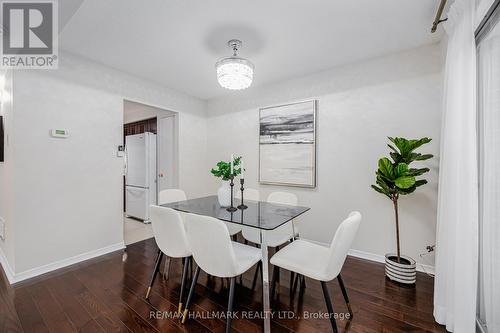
x,y
234,73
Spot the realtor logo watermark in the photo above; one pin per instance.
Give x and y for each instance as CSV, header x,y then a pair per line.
x,y
29,34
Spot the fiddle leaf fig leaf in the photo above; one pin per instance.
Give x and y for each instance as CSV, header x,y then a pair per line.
x,y
394,149
423,157
414,144
401,170
381,190
405,182
403,145
385,167
396,157
417,172
420,182
408,190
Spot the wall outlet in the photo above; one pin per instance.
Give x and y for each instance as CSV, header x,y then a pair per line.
x,y
2,228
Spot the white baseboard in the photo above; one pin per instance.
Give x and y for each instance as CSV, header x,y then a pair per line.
x,y
428,269
380,258
30,273
14,278
9,272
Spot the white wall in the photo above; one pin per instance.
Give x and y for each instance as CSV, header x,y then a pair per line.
x,y
359,106
69,192
6,179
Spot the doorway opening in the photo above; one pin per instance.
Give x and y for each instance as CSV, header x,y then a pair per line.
x,y
150,139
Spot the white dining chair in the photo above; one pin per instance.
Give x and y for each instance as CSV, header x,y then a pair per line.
x,y
233,230
320,263
248,194
217,255
278,237
171,195
170,236
164,197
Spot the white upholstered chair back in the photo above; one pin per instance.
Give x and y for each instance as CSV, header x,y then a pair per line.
x,y
341,243
171,195
169,232
211,245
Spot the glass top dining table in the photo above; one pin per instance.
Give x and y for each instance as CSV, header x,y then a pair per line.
x,y
260,215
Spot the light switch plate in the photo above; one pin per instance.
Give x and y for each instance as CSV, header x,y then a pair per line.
x,y
121,151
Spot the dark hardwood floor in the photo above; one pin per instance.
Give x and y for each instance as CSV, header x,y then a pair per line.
x,y
107,295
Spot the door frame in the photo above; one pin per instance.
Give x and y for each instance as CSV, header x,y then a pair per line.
x,y
171,113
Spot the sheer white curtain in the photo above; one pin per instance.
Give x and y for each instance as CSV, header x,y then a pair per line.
x,y
455,289
489,109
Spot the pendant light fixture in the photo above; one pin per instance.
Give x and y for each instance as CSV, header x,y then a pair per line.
x,y
234,73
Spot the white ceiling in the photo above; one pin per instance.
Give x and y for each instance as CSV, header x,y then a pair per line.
x,y
177,42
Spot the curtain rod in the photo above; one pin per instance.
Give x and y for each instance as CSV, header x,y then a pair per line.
x,y
438,19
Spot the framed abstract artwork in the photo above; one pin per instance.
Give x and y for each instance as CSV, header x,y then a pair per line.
x,y
287,144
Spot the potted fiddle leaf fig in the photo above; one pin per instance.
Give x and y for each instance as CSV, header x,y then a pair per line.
x,y
223,171
395,178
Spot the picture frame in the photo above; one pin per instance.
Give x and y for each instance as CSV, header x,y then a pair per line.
x,y
287,144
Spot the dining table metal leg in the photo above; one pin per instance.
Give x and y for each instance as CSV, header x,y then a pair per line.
x,y
265,282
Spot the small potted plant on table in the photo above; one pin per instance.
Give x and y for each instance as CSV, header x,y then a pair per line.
x,y
224,170
396,178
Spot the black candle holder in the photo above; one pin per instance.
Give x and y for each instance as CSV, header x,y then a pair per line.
x,y
242,188
231,208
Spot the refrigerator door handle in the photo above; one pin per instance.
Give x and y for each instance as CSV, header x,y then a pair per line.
x,y
125,161
140,187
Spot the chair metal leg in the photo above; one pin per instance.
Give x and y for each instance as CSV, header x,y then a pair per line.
x,y
292,277
183,281
223,283
190,269
329,306
230,304
346,298
190,295
295,283
159,256
166,268
258,270
273,281
278,276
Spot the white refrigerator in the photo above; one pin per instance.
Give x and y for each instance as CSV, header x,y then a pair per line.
x,y
140,175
